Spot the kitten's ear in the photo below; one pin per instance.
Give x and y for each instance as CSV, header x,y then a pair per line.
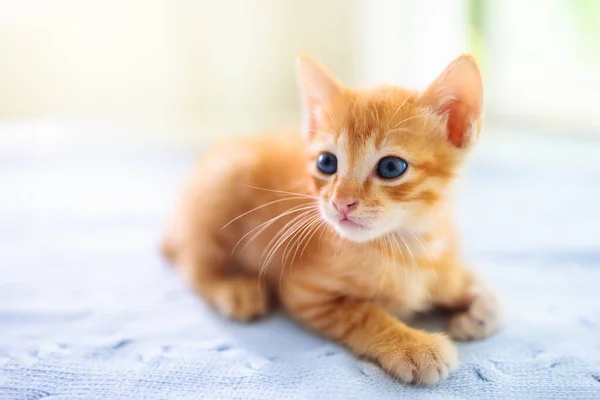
x,y
318,90
457,95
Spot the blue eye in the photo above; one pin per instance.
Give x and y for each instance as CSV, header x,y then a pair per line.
x,y
391,167
327,163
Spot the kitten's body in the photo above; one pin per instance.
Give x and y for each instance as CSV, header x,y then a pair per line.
x,y
254,222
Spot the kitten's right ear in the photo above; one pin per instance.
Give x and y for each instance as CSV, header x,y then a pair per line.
x,y
457,96
318,90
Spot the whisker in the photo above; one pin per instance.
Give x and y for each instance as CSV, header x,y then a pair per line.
x,y
404,264
381,249
337,247
273,244
408,249
282,235
258,208
385,248
323,231
393,237
401,129
374,295
320,225
283,231
425,249
280,191
298,234
306,232
427,253
430,261
396,112
288,235
406,120
270,222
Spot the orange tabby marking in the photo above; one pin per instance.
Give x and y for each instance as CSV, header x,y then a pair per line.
x,y
346,242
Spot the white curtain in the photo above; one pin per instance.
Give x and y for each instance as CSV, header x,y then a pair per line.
x,y
228,65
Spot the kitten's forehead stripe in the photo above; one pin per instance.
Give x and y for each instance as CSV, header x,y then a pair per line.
x,y
363,134
368,161
370,122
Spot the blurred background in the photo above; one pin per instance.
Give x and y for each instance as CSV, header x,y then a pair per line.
x,y
184,71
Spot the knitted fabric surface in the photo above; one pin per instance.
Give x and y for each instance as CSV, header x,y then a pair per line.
x,y
88,309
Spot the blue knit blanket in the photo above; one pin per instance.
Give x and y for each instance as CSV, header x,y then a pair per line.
x,y
88,310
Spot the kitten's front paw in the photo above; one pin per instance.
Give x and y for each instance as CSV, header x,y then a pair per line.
x,y
423,359
240,298
481,319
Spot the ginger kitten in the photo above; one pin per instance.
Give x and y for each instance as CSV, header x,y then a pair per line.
x,y
348,225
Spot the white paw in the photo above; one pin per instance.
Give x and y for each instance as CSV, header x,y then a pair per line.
x,y
481,319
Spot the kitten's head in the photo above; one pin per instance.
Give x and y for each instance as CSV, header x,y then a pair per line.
x,y
382,159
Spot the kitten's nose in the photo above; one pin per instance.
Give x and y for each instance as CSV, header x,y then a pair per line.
x,y
344,204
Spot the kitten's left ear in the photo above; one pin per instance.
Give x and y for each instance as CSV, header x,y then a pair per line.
x,y
318,91
457,95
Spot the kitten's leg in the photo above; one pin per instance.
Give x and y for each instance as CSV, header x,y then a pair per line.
x,y
477,312
197,243
239,297
410,355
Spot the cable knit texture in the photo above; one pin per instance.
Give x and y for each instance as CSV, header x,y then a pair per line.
x,y
88,310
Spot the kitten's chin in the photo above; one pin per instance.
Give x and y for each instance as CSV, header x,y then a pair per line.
x,y
350,229
352,232
355,235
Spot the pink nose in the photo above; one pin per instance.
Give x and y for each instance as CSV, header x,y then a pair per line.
x,y
344,204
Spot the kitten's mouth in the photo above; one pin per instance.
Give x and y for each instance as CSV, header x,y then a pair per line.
x,y
352,223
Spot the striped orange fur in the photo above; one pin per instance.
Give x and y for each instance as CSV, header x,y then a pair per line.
x,y
349,254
